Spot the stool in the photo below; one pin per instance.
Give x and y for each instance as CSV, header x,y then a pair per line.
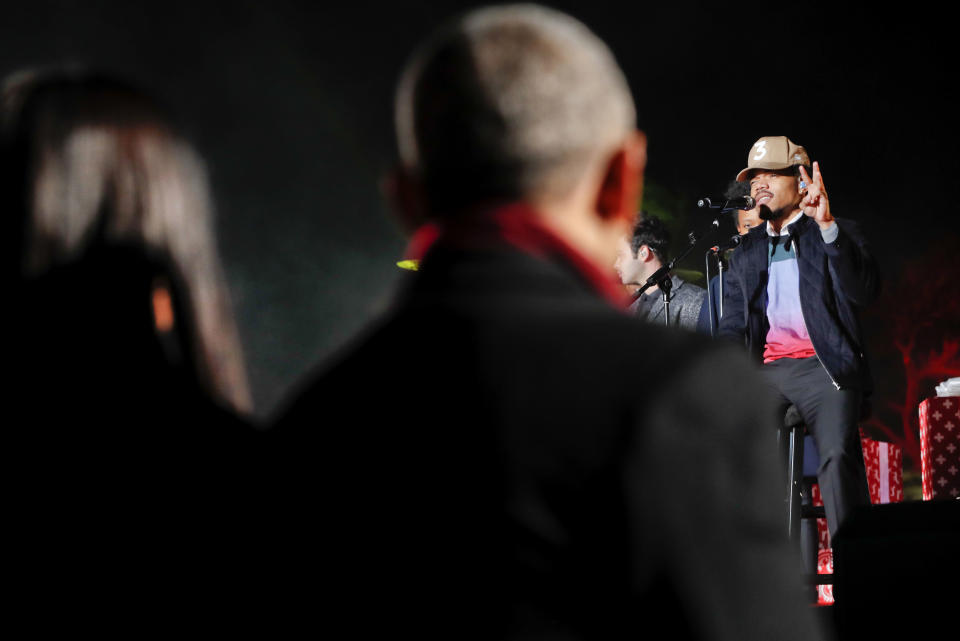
x,y
793,440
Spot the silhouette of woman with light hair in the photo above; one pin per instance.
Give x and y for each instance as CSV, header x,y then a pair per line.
x,y
131,454
111,244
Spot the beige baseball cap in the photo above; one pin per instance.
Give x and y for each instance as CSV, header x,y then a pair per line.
x,y
774,152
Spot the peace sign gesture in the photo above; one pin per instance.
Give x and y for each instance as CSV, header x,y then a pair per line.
x,y
815,203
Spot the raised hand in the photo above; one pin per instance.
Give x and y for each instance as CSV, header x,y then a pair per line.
x,y
815,203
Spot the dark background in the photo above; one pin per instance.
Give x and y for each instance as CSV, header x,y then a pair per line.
x,y
290,104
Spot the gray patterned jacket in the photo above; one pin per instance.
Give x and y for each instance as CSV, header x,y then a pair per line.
x,y
685,302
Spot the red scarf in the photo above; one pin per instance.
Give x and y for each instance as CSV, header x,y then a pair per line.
x,y
518,226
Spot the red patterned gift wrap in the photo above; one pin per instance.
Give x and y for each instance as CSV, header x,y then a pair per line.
x,y
824,552
940,447
884,464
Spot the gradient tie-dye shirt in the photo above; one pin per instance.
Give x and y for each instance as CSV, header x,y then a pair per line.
x,y
787,336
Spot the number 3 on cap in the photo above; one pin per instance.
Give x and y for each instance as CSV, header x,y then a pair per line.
x,y
761,148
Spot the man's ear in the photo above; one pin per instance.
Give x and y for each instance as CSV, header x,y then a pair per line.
x,y
621,186
404,193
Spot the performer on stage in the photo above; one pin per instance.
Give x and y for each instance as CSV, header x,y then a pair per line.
x,y
797,286
639,258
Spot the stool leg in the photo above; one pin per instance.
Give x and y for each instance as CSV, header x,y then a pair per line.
x,y
794,473
809,537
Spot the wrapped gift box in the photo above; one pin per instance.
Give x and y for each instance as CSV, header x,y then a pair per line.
x,y
824,553
884,465
940,447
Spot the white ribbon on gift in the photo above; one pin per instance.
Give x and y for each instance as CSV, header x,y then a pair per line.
x,y
884,473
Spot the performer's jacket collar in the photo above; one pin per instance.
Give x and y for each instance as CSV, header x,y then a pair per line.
x,y
784,231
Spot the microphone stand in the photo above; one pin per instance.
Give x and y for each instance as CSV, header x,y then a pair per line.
x,y
706,270
715,321
661,277
720,281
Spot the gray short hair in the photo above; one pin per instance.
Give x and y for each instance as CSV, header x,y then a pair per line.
x,y
508,102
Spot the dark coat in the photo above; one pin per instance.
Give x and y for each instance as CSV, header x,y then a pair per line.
x,y
508,456
128,483
836,281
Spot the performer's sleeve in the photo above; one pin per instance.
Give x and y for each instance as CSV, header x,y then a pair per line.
x,y
707,469
852,264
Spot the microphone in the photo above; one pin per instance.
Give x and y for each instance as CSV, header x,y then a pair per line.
x,y
730,244
743,202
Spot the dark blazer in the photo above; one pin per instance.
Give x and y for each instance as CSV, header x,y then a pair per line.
x,y
508,456
836,281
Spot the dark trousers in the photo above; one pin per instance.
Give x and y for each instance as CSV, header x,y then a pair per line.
x,y
831,417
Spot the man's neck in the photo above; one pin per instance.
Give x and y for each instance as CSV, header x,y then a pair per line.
x,y
653,267
776,224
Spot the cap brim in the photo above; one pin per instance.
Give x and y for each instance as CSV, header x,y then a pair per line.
x,y
745,173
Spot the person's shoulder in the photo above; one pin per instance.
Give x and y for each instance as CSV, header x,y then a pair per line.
x,y
655,356
337,376
694,373
685,291
748,241
701,372
652,342
692,287
756,235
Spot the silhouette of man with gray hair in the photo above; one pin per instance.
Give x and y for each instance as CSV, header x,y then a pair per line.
x,y
489,461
